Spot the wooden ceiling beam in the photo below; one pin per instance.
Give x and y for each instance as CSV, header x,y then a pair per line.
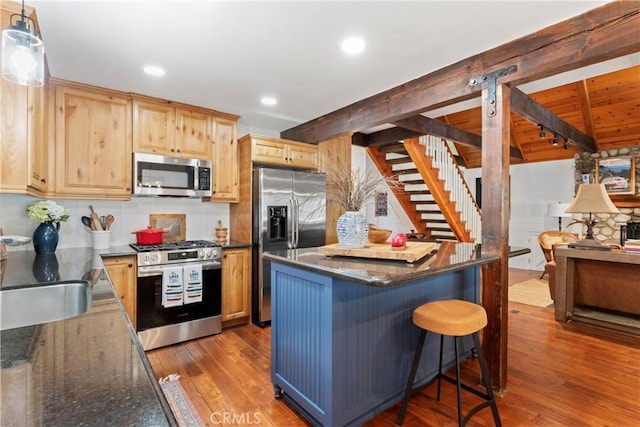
x,y
604,33
388,136
426,126
536,113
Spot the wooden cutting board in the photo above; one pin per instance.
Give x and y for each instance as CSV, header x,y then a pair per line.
x,y
411,253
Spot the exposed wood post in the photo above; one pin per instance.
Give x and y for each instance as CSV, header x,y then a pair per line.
x,y
495,229
334,151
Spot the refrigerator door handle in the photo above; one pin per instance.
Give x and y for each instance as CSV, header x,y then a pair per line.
x,y
297,219
291,224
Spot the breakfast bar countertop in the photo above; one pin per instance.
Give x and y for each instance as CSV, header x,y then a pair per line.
x,y
85,370
446,257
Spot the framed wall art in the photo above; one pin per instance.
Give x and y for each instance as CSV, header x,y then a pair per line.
x,y
618,174
381,204
174,226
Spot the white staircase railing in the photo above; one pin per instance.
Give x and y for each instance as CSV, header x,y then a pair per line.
x,y
455,183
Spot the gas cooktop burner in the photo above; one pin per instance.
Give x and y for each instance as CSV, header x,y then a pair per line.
x,y
175,246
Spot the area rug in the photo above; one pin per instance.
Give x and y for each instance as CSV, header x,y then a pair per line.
x,y
183,410
531,292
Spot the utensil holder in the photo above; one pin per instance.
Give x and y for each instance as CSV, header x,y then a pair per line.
x,y
101,239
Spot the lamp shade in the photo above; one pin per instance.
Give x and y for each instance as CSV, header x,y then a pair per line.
x,y
592,198
558,209
22,55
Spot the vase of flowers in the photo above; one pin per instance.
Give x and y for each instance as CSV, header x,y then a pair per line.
x,y
585,164
351,190
49,214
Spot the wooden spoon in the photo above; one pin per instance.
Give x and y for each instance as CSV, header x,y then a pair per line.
x,y
110,220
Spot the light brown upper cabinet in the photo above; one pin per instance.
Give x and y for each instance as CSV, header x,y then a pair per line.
x,y
159,127
225,161
93,142
282,152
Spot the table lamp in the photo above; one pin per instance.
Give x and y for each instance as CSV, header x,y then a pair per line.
x,y
558,210
591,198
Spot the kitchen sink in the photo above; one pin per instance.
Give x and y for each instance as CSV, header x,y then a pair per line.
x,y
32,305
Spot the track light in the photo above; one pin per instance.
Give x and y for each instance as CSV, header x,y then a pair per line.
x,y
542,132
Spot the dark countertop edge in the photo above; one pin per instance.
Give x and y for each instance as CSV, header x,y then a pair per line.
x,y
155,384
374,281
377,282
236,244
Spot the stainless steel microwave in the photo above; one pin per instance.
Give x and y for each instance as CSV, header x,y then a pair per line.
x,y
156,175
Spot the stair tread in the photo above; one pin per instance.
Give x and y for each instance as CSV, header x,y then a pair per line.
x,y
405,171
399,160
393,148
413,181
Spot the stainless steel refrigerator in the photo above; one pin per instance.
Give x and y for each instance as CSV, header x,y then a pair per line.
x,y
289,212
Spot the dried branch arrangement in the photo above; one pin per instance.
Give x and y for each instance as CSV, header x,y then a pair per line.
x,y
351,189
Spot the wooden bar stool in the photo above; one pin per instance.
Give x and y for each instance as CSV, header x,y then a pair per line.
x,y
455,318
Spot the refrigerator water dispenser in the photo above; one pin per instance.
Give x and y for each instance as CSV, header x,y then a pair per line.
x,y
277,223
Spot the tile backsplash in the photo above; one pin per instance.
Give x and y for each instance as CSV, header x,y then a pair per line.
x,y
201,218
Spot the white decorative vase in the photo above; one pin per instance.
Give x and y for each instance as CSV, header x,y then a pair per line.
x,y
586,177
352,230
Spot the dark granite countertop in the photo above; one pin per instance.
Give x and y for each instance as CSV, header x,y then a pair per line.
x,y
84,370
447,257
236,244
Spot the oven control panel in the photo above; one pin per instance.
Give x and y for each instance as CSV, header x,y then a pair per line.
x,y
175,256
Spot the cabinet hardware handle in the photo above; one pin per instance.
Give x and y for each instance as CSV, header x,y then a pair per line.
x,y
172,150
42,180
178,150
130,265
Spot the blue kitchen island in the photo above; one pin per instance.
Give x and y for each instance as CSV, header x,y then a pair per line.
x,y
342,332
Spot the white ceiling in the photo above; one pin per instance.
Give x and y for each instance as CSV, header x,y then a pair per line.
x,y
227,55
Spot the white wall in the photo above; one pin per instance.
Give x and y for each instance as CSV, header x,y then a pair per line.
x,y
533,186
201,218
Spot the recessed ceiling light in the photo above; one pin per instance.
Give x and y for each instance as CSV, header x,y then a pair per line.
x,y
268,100
154,70
353,45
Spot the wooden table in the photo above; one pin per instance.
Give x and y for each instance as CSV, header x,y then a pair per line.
x,y
606,280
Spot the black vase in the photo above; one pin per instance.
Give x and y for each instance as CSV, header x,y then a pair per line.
x,y
45,268
45,238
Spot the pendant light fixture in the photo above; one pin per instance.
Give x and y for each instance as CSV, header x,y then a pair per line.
x,y
22,52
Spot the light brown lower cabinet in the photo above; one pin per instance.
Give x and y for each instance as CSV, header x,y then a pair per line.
x,y
236,286
122,272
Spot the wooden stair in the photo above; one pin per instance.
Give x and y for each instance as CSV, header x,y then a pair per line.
x,y
426,202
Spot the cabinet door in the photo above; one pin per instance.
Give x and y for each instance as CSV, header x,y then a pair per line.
x,y
236,284
13,136
225,161
193,139
154,128
122,273
38,139
93,143
269,151
303,156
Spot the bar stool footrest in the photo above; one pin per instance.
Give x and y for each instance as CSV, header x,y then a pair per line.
x,y
467,388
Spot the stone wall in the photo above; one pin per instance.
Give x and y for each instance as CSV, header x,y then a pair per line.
x,y
607,229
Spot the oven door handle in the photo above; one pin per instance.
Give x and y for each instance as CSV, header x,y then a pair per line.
x,y
155,270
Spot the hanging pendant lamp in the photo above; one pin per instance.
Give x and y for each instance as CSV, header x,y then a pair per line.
x,y
22,52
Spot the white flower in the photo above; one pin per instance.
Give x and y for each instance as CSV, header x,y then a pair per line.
x,y
47,210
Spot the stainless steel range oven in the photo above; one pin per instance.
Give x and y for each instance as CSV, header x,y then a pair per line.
x,y
179,292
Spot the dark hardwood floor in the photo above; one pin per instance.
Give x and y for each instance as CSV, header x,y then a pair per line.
x,y
558,375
